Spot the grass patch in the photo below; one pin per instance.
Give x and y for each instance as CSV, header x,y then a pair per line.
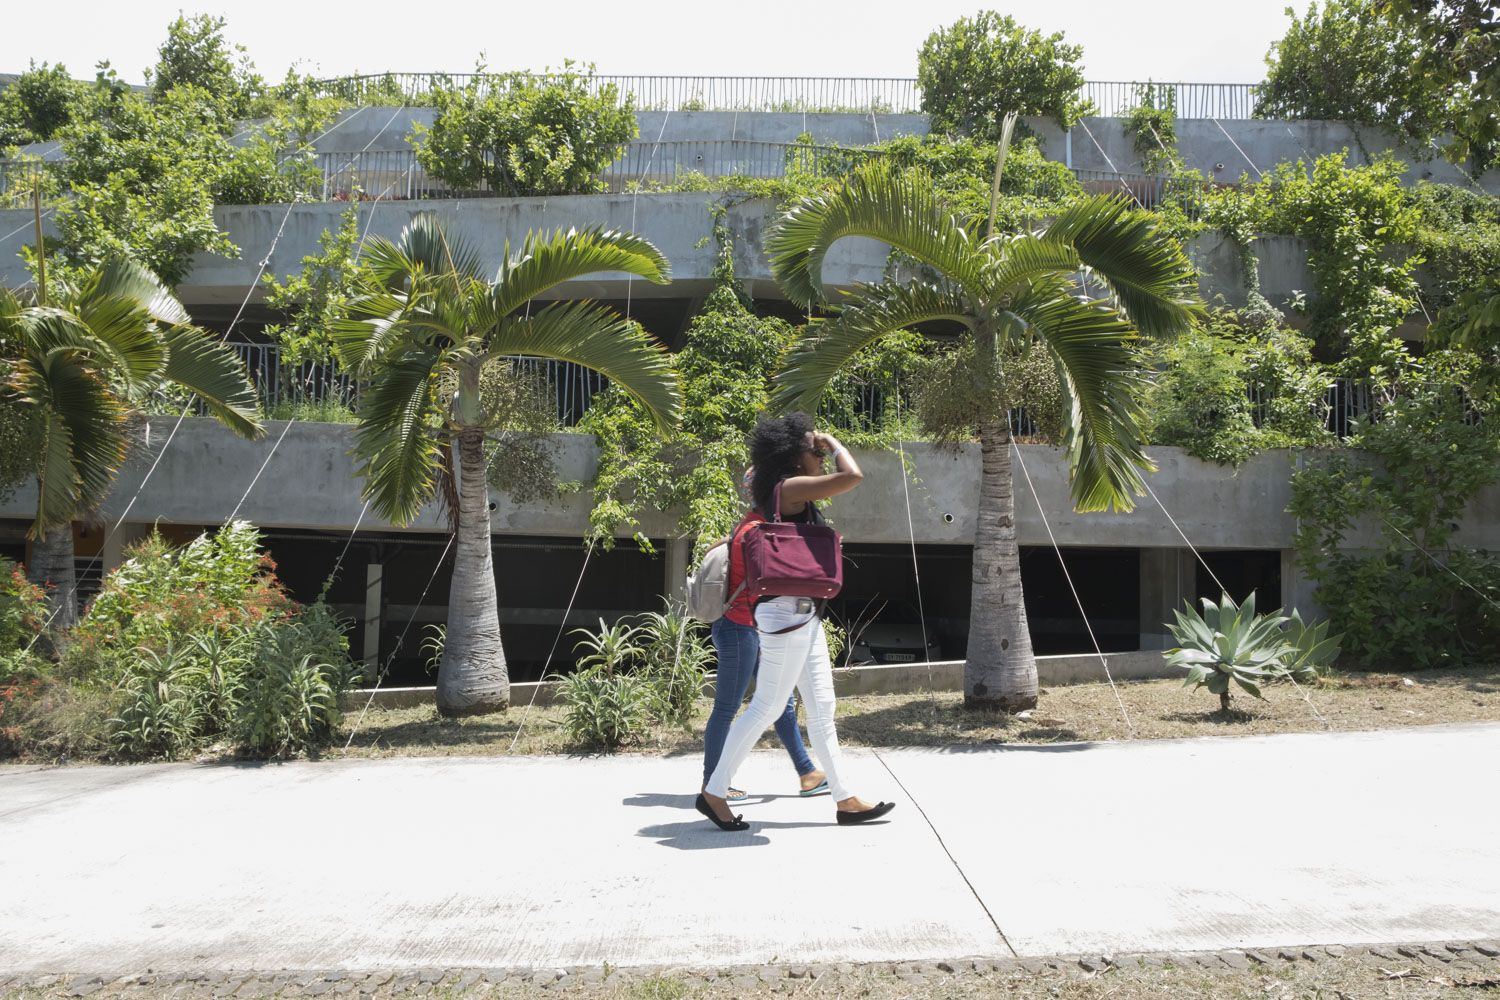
x,y
1158,710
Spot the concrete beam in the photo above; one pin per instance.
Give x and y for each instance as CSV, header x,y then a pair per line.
x,y
310,483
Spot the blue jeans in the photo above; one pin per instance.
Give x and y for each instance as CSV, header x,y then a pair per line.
x,y
738,648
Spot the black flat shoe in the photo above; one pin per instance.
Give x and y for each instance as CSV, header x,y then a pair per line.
x,y
731,826
864,815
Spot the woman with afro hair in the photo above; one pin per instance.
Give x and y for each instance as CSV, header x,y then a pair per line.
x,y
793,650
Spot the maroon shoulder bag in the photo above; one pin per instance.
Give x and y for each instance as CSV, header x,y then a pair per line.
x,y
792,559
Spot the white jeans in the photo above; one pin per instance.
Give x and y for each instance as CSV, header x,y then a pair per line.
x,y
796,659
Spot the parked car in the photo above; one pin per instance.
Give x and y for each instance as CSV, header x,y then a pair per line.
x,y
882,631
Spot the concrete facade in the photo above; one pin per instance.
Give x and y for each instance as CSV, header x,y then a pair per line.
x,y
680,225
308,481
1221,150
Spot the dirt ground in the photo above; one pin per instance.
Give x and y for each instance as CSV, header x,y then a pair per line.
x,y
1311,974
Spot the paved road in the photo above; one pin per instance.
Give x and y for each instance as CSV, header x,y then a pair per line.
x,y
1152,846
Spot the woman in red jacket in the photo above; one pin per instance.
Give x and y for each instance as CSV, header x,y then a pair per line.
x,y
793,649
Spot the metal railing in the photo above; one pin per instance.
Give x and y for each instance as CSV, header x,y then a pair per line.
x,y
1184,191
366,174
1346,404
572,388
880,95
278,382
1115,98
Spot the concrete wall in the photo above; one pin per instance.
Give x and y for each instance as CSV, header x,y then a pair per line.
x,y
310,483
679,225
1221,150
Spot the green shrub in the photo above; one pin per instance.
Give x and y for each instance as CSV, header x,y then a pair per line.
x,y
1458,238
1202,400
1341,64
517,134
1358,222
188,648
674,664
606,710
38,103
977,70
1415,597
288,700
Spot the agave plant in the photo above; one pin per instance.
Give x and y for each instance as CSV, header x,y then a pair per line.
x,y
1229,642
1313,648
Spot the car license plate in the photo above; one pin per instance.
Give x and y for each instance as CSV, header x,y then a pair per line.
x,y
900,657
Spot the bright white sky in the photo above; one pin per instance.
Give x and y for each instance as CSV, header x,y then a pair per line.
x,y
1190,40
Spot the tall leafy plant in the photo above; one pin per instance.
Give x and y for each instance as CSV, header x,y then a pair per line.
x,y
523,134
1002,297
82,362
429,320
977,70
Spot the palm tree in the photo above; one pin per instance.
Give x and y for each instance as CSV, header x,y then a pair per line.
x,y
79,369
421,333
1008,294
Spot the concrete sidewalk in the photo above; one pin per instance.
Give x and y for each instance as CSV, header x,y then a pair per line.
x,y
449,863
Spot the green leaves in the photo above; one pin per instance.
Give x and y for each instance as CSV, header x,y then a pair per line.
x,y
1231,643
520,135
1147,272
880,202
868,313
976,70
545,263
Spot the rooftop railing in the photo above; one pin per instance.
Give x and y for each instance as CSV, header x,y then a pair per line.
x,y
397,174
864,95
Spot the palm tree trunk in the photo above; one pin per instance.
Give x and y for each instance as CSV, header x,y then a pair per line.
x,y
472,677
1000,671
51,567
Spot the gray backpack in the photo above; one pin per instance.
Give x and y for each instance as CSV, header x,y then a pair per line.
x,y
707,586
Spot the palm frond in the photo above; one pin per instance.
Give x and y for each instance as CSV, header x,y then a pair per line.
x,y
111,334
595,337
1020,260
427,242
1143,266
127,280
878,201
546,262
1087,341
83,443
869,313
396,445
216,374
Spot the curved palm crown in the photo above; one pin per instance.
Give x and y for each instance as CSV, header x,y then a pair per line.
x,y
430,310
1006,290
112,337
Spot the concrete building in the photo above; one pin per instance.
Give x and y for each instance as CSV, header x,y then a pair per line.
x,y
1130,570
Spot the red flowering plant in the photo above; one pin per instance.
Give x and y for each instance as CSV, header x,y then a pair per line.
x,y
217,586
23,609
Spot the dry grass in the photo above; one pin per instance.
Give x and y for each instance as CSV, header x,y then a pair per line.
x,y
1157,710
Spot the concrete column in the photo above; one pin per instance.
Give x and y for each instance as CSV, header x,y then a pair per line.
x,y
1168,577
374,574
115,544
1297,589
679,551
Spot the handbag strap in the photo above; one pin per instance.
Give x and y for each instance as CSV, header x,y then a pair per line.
x,y
776,501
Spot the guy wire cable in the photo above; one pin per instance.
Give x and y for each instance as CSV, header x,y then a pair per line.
x,y
400,641
1047,523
